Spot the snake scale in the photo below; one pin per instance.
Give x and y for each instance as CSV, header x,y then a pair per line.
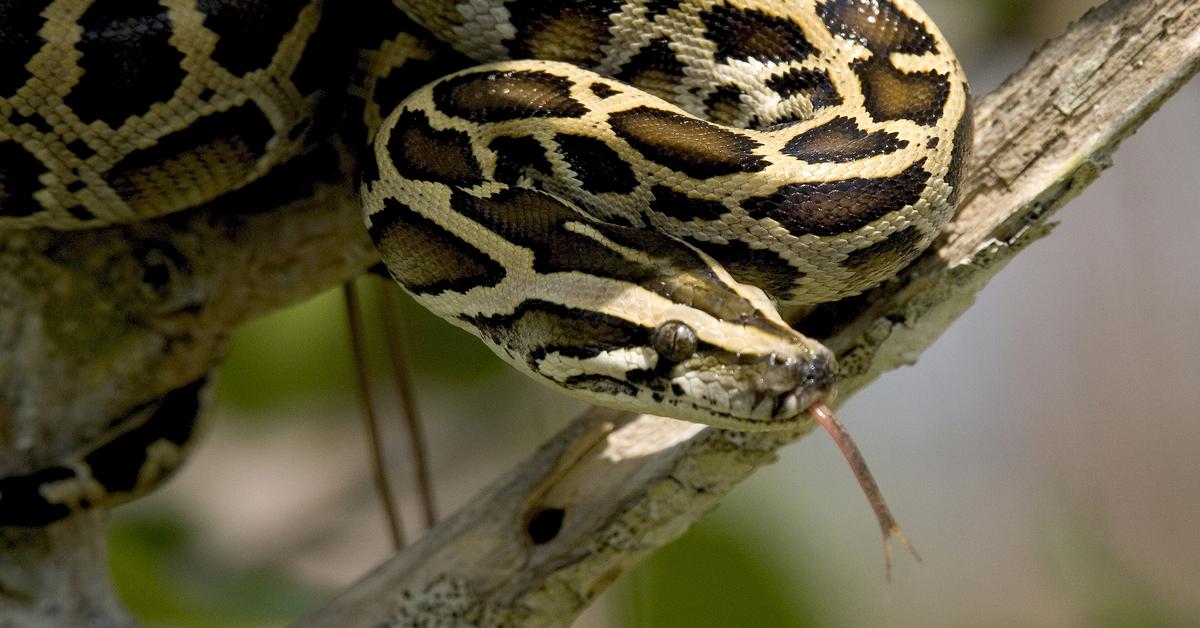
x,y
616,202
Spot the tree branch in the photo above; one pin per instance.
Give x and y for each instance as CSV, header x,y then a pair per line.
x,y
535,547
95,323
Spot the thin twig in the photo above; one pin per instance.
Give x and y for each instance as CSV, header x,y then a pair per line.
x,y
378,469
398,351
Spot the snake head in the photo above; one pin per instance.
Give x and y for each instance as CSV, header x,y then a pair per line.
x,y
759,386
723,374
616,315
660,328
689,366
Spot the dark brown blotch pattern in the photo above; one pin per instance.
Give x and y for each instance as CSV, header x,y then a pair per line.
x,y
654,68
813,83
603,90
421,152
249,32
890,94
537,221
22,503
961,153
679,205
127,59
19,172
35,120
834,207
426,258
877,24
597,166
498,95
724,104
886,30
574,31
224,146
538,328
654,8
763,268
518,156
80,213
19,40
427,60
749,34
118,463
841,141
697,148
894,251
326,61
80,148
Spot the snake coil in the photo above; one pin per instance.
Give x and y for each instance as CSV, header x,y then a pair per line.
x,y
616,202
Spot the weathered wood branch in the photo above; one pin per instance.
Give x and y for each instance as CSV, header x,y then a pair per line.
x,y
95,323
540,543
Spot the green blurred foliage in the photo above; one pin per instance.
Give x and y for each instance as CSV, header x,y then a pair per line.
x,y
166,581
301,352
722,574
304,352
1010,18
1087,570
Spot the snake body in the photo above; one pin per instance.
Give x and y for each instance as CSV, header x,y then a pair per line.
x,y
616,202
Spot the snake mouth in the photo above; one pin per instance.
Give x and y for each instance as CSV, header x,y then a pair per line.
x,y
812,383
783,388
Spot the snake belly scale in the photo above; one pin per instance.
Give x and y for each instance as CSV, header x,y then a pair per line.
x,y
616,202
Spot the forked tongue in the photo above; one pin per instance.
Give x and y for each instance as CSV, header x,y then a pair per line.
x,y
887,523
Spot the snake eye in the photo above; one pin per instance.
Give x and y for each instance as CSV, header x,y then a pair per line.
x,y
674,341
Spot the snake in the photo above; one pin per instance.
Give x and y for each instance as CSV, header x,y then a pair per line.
x,y
617,197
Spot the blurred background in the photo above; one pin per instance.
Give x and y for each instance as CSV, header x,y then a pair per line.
x,y
1044,455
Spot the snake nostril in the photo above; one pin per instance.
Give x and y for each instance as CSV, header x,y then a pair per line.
x,y
814,373
824,376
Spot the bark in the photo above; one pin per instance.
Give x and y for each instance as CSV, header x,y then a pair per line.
x,y
95,323
102,323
